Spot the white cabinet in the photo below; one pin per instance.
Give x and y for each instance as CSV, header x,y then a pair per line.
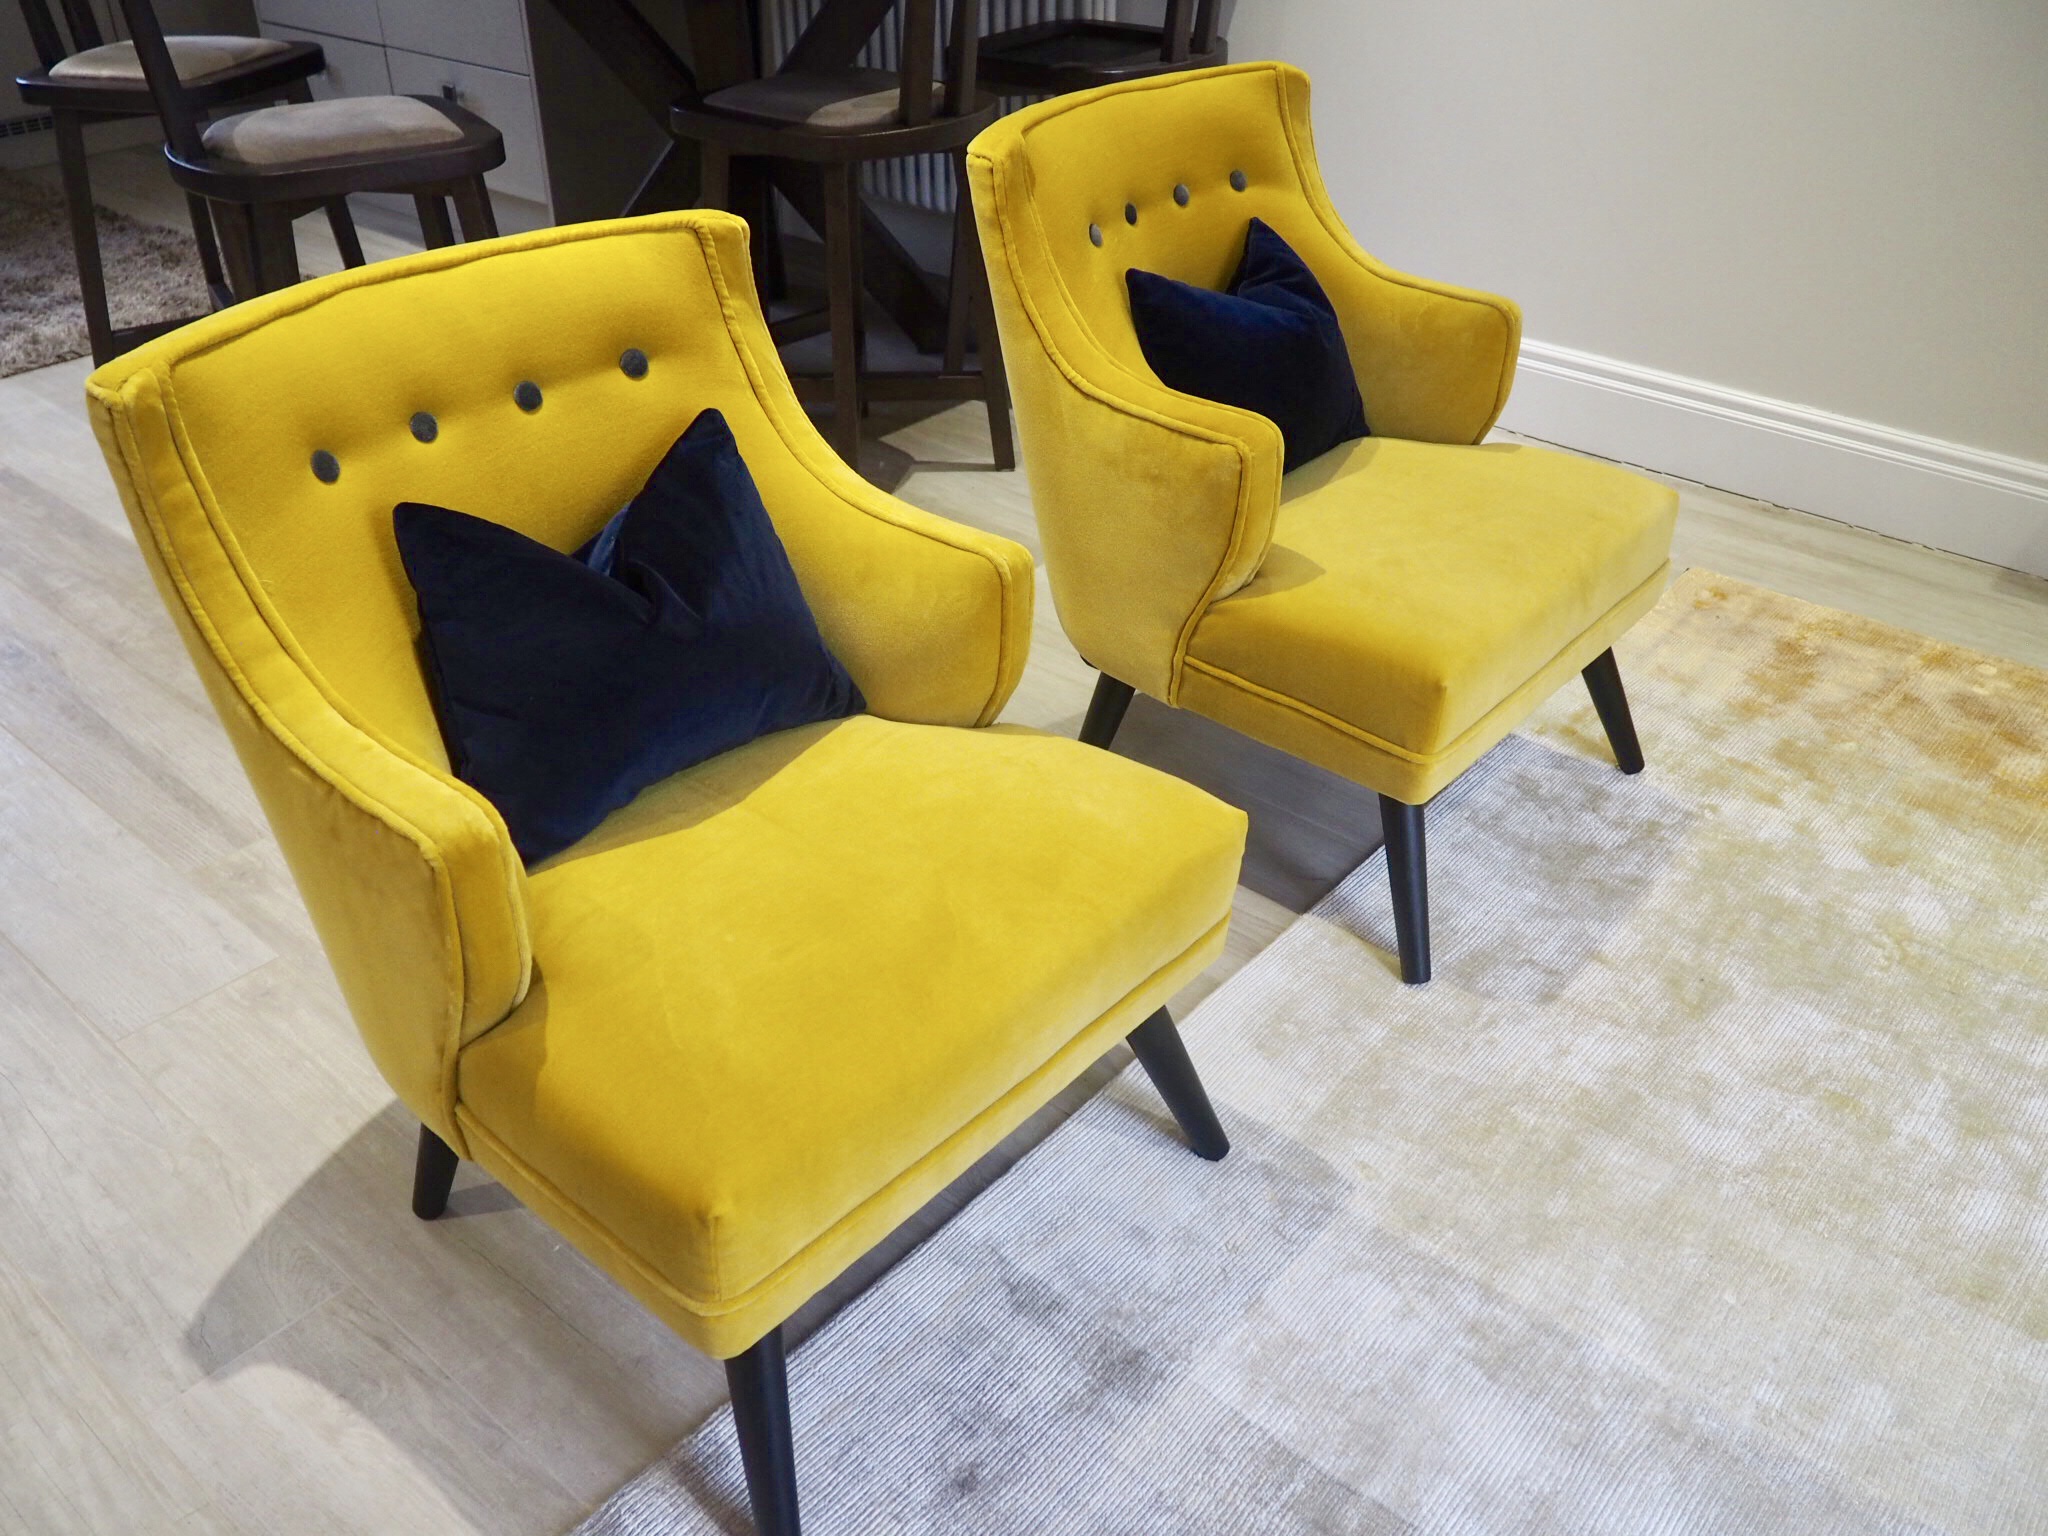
x,y
487,32
576,143
355,19
501,98
353,68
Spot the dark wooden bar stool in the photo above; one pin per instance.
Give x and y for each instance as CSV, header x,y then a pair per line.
x,y
831,120
91,80
1051,58
257,171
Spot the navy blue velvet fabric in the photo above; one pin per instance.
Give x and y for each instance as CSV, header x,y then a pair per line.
x,y
565,686
1271,344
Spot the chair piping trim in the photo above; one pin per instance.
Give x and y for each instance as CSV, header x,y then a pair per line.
x,y
1380,744
723,1306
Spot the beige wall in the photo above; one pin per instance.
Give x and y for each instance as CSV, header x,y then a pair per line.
x,y
1841,205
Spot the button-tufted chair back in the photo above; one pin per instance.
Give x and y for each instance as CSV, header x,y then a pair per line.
x,y
1163,175
1153,504
534,381
520,390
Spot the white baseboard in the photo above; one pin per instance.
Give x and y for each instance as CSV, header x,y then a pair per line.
x,y
1990,506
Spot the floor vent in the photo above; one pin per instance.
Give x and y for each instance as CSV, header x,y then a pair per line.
x,y
18,127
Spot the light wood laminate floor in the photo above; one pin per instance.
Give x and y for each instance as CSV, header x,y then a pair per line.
x,y
216,1311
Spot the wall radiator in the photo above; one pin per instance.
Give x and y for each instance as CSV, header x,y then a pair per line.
x,y
923,181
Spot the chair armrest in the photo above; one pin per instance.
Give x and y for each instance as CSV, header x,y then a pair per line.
x,y
408,874
932,618
1151,503
1434,362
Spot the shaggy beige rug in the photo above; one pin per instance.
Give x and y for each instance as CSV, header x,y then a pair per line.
x,y
152,274
1705,1190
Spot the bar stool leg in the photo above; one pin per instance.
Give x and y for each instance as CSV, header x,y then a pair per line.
x,y
960,289
235,224
209,251
277,254
85,235
343,225
714,176
434,226
842,278
995,383
473,210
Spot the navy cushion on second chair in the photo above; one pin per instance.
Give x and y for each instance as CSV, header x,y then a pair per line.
x,y
1271,343
565,686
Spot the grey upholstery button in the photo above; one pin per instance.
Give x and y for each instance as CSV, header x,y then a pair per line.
x,y
1180,194
1095,233
526,395
633,363
1130,213
424,427
326,467
1237,181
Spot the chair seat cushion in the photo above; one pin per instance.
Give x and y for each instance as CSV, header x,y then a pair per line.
x,y
832,101
321,130
1412,587
770,986
193,57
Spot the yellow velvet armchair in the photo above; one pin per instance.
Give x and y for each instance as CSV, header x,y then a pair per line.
x,y
1388,611
734,1036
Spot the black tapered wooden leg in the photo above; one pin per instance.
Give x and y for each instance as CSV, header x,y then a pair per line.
x,y
1603,681
1408,876
759,1380
1165,1060
1106,711
433,1176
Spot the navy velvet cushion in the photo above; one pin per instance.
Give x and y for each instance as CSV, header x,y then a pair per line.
x,y
1271,344
567,685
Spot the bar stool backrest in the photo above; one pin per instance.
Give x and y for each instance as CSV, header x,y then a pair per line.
x,y
48,39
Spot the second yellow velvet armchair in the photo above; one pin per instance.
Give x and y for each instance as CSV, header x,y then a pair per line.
x,y
1389,610
764,1012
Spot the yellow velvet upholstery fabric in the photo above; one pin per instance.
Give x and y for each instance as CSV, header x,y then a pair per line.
x,y
837,927
682,936
1179,557
1403,587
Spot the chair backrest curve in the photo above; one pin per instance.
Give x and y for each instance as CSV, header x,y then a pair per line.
x,y
260,453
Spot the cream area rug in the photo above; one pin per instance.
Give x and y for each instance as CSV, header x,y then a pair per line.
x,y
152,274
1705,1189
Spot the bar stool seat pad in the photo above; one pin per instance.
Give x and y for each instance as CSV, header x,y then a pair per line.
x,y
831,101
319,130
193,57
